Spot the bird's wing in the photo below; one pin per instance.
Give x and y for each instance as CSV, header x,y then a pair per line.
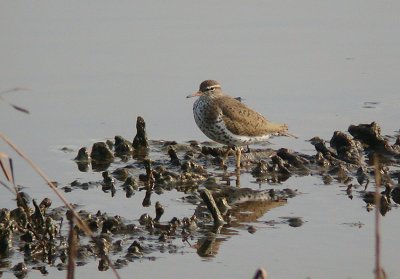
x,y
242,120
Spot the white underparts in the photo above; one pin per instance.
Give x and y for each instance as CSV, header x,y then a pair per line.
x,y
217,130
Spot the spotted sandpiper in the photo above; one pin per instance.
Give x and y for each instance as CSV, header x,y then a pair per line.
x,y
228,121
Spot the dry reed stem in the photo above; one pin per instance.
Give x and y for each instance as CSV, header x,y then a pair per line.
x,y
379,273
15,89
71,250
78,219
7,169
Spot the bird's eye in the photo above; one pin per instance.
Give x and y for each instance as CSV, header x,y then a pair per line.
x,y
212,89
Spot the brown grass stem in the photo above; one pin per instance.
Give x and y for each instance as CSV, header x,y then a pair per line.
x,y
71,250
379,273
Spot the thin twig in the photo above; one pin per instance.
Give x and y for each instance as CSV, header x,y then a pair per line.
x,y
6,170
21,109
378,181
15,89
6,186
71,250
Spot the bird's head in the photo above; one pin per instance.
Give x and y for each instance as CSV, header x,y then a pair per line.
x,y
208,88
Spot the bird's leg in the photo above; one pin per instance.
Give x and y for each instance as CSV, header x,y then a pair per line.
x,y
238,153
228,150
237,179
226,154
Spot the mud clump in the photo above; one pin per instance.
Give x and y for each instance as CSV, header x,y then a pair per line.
x,y
122,146
101,156
83,155
101,153
140,140
370,136
347,149
173,156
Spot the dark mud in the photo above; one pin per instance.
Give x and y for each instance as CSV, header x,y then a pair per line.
x,y
204,172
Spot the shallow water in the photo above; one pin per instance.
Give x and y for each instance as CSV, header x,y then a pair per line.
x,y
92,68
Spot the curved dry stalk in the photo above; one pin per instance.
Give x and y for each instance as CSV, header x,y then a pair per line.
x,y
7,170
81,223
15,89
6,186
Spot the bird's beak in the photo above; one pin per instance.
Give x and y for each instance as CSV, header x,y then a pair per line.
x,y
195,94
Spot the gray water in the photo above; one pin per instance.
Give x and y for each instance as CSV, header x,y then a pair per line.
x,y
92,67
